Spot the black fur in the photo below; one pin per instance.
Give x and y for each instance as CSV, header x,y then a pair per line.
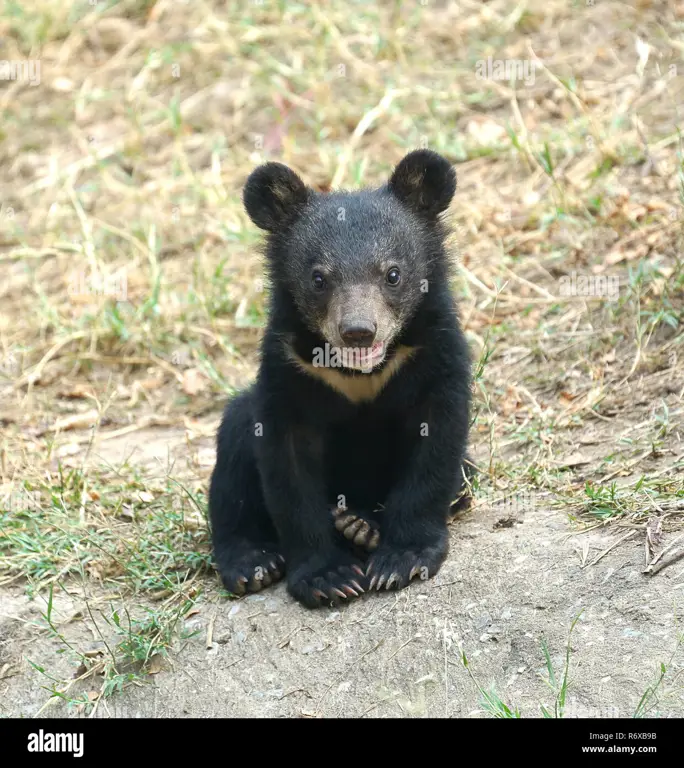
x,y
292,447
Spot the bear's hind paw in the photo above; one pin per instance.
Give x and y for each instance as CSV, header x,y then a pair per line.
x,y
250,570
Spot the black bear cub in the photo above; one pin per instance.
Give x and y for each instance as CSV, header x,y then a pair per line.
x,y
338,466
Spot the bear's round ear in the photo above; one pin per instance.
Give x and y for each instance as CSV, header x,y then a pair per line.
x,y
273,196
425,181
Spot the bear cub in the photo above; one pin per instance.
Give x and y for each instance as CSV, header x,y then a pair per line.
x,y
337,468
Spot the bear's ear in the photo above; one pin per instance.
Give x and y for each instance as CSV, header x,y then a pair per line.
x,y
425,181
273,196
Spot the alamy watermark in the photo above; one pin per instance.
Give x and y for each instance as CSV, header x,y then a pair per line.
x,y
507,69
47,741
358,358
24,71
600,286
513,503
20,501
94,284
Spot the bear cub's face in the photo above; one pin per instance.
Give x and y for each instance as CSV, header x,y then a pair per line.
x,y
357,264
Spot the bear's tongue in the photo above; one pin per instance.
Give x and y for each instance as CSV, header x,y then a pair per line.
x,y
368,355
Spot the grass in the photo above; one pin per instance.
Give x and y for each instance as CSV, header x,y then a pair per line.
x,y
133,297
134,646
142,539
559,687
649,702
120,533
492,703
648,705
635,501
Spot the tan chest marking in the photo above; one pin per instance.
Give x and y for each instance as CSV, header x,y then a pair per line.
x,y
360,387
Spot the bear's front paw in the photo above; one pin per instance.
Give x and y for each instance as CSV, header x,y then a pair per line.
x,y
360,531
394,568
328,580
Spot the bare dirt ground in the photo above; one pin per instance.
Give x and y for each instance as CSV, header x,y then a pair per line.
x,y
132,302
502,591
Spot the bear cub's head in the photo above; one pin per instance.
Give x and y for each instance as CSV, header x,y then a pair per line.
x,y
357,265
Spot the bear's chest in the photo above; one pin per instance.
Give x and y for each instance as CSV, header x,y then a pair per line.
x,y
362,458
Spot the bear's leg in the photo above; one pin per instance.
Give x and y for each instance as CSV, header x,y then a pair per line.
x,y
415,539
244,540
322,569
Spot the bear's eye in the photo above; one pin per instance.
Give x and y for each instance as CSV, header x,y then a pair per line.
x,y
393,276
318,281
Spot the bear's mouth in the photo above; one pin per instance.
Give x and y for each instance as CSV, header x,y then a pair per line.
x,y
365,359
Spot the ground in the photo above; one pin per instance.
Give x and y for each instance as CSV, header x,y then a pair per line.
x,y
133,302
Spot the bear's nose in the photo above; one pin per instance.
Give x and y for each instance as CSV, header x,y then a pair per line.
x,y
358,333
